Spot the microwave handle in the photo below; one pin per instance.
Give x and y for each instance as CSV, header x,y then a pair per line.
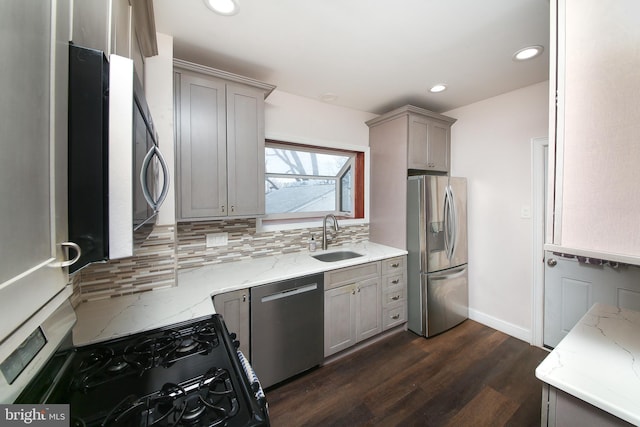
x,y
165,175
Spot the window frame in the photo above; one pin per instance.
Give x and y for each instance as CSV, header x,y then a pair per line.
x,y
356,161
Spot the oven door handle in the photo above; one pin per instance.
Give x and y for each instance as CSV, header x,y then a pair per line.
x,y
251,375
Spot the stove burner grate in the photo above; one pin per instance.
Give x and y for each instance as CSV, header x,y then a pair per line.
x,y
210,400
104,365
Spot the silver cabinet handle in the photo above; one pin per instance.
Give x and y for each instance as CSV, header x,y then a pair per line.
x,y
395,265
395,317
244,298
551,262
395,282
396,298
69,262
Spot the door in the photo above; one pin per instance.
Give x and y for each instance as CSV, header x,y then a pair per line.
x,y
572,287
202,148
33,164
245,150
447,295
339,319
234,308
368,309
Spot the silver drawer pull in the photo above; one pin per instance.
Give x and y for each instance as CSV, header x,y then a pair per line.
x,y
395,317
395,265
396,298
395,282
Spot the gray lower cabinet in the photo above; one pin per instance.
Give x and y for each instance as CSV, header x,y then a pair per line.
x,y
560,409
220,143
394,292
234,308
352,307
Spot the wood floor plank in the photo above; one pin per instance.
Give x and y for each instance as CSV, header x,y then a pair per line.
x,y
456,377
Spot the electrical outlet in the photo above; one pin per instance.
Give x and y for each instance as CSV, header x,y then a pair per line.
x,y
525,212
217,239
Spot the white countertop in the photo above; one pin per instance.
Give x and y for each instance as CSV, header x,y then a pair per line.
x,y
599,362
191,298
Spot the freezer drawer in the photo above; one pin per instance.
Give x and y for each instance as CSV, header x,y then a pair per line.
x,y
447,299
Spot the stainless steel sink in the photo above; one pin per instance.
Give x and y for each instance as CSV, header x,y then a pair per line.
x,y
336,256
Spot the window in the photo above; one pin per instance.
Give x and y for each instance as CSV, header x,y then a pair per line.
x,y
304,181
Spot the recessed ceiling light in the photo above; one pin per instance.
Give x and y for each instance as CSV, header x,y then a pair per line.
x,y
328,97
223,7
528,53
438,88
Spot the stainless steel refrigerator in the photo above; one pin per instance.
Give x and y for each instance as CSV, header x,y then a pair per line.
x,y
438,291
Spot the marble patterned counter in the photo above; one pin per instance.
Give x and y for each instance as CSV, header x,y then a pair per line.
x,y
599,362
192,297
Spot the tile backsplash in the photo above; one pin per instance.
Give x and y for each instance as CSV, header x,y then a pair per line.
x,y
243,242
182,246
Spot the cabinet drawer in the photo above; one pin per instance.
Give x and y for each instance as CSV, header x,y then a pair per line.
x,y
344,276
394,316
393,296
393,282
393,265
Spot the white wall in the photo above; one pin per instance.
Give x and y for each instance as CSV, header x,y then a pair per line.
x,y
491,146
294,118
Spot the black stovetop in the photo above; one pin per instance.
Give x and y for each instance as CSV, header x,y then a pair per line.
x,y
186,374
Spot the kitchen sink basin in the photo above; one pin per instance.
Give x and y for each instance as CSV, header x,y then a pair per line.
x,y
336,256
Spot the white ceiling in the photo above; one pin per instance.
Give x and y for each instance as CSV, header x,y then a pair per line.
x,y
374,55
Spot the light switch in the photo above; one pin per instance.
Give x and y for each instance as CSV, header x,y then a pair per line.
x,y
217,239
525,212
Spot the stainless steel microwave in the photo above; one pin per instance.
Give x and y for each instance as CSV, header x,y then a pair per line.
x,y
117,176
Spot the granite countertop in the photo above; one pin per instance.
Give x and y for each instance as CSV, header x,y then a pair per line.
x,y
599,362
191,298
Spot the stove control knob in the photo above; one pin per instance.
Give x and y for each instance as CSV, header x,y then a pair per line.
x,y
236,344
233,336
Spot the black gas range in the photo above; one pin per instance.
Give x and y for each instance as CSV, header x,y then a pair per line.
x,y
187,374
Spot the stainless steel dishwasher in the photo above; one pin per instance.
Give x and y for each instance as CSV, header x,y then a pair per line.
x,y
287,321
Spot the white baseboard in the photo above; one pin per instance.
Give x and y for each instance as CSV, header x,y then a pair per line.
x,y
502,326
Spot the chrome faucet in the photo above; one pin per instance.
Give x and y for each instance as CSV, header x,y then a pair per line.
x,y
324,229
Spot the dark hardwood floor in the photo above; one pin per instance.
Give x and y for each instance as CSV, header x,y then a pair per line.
x,y
471,375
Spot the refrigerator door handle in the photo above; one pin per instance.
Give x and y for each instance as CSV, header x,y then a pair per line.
x,y
449,225
454,222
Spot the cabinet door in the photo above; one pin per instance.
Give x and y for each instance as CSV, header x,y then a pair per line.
x,y
245,150
428,144
202,148
234,308
33,168
368,309
339,319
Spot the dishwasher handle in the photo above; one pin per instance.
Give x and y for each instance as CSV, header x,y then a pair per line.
x,y
290,292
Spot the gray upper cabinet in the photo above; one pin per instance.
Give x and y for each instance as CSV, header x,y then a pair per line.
x,y
429,144
422,135
220,143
